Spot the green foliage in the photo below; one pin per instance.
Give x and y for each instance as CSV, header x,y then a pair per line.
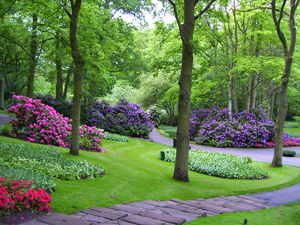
x,y
17,171
115,137
289,152
221,165
48,161
5,128
297,120
291,124
170,130
122,90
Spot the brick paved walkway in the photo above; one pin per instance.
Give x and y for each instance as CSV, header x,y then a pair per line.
x,y
174,211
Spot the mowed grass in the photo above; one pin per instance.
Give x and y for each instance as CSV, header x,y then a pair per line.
x,y
134,173
286,214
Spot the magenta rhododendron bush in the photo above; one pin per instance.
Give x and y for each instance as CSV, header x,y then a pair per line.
x,y
40,123
16,195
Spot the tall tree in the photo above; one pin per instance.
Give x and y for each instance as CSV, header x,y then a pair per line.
x,y
186,30
279,14
78,73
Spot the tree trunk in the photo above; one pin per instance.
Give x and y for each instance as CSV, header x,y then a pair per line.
x,y
234,96
288,61
185,83
281,112
230,98
271,98
59,80
2,86
79,65
67,83
32,63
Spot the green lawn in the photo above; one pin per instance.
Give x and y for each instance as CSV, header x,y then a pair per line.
x,y
134,173
286,214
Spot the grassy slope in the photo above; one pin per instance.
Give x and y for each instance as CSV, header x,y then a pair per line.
x,y
134,173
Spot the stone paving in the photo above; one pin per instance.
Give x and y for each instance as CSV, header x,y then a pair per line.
x,y
174,211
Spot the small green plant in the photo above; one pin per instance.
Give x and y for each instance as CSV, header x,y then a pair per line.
x,y
40,180
48,161
5,129
115,137
288,152
171,131
220,165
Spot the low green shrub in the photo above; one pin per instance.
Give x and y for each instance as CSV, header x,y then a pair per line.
x,y
115,137
18,172
48,161
220,165
291,124
5,129
170,130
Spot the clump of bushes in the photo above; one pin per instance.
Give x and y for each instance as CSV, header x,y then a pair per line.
x,y
40,123
220,165
126,118
246,129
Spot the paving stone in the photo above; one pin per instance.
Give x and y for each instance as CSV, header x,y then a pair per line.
x,y
253,199
140,220
194,203
143,205
241,207
187,216
104,214
181,207
61,219
164,217
95,219
218,209
232,198
214,201
110,211
128,208
156,203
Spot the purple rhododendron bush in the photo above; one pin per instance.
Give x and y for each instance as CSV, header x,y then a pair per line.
x,y
126,118
40,123
245,130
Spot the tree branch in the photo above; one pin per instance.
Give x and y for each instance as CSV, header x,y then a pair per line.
x,y
8,8
205,9
277,24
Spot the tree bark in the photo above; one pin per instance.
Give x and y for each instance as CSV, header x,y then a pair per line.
x,y
32,63
288,61
67,82
79,65
59,80
185,83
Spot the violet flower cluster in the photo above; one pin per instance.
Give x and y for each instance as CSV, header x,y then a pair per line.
x,y
126,118
246,129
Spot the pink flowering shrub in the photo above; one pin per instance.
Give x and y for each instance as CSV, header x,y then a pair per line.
x,y
40,123
16,195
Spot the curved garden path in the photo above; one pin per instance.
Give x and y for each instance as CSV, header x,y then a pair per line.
x,y
260,155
